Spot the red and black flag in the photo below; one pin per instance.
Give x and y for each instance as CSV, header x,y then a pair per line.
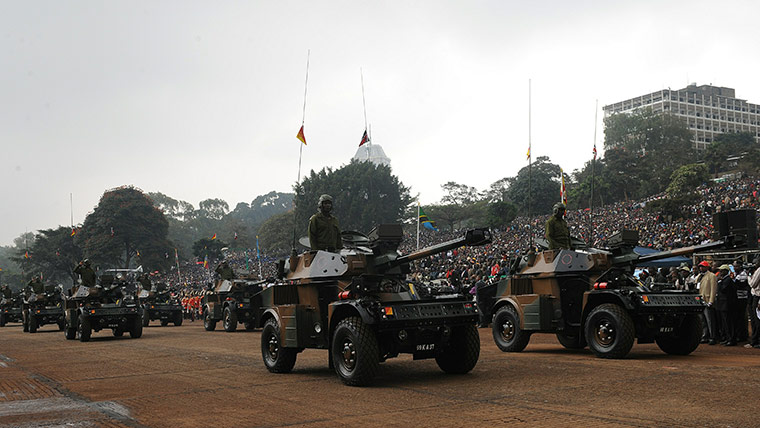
x,y
365,138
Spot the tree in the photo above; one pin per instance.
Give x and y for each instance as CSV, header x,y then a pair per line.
x,y
211,248
364,194
214,209
733,151
124,222
276,233
500,213
544,184
686,178
55,254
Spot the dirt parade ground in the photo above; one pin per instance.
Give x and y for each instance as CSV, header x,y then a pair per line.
x,y
186,376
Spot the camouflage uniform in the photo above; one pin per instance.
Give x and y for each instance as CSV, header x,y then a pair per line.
x,y
324,232
87,274
36,286
7,292
225,271
557,233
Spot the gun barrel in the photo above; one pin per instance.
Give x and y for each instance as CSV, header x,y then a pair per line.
x,y
472,237
680,251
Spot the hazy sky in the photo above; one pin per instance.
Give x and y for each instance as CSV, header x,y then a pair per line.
x,y
204,99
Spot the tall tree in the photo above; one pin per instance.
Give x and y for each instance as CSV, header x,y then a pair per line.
x,y
544,185
733,151
364,195
126,222
55,255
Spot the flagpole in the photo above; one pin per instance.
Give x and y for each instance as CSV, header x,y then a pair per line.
x,y
530,169
300,149
71,205
593,165
418,225
176,259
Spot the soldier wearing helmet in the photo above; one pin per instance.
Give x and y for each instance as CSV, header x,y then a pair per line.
x,y
85,271
557,232
324,232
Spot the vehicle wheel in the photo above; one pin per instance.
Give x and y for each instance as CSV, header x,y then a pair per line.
x,y
249,325
355,352
208,323
178,319
462,352
25,321
610,331
684,339
571,339
70,332
33,324
145,317
2,320
278,359
136,329
229,319
118,332
84,330
164,323
61,324
507,334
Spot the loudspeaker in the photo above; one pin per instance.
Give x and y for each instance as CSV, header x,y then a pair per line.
x,y
741,223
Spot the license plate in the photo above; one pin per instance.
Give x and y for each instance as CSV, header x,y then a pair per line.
x,y
426,347
666,329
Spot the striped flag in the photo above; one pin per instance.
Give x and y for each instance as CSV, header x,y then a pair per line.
x,y
365,139
301,136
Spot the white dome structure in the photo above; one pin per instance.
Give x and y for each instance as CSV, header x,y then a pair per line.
x,y
373,153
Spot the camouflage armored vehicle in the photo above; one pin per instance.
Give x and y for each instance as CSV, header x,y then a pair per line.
x,y
160,304
359,306
113,303
41,309
590,296
10,309
232,301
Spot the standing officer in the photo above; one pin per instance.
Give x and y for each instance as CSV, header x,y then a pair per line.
x,y
557,232
85,271
725,303
707,285
225,271
324,232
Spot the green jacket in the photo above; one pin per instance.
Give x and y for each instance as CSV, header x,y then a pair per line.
x,y
225,272
36,286
557,233
87,274
324,233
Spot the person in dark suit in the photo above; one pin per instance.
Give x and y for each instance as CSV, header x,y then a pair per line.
x,y
725,304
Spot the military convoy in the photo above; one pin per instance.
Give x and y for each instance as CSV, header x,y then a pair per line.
x,y
232,301
160,304
358,305
43,308
589,296
113,303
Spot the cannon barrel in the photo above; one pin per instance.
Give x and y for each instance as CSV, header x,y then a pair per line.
x,y
472,237
639,259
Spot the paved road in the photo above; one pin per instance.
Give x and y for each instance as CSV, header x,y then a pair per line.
x,y
185,376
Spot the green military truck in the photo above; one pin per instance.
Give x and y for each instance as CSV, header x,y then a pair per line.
x,y
42,309
233,301
160,304
359,306
10,309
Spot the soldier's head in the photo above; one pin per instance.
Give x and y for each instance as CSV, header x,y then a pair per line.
x,y
86,262
559,209
325,204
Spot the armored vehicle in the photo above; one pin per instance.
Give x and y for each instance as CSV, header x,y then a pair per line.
x,y
161,304
232,302
10,309
358,305
113,303
590,296
42,309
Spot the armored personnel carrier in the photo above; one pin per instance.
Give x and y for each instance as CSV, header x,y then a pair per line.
x,y
113,303
233,302
160,304
359,306
589,296
41,309
10,309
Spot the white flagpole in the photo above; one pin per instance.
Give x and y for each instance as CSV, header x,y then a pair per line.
x,y
418,225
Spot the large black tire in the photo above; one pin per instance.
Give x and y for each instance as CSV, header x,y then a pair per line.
x,y
277,359
178,319
571,339
610,331
136,329
145,317
208,323
32,324
507,333
164,323
2,320
355,352
25,321
84,329
461,354
249,325
69,331
229,319
61,324
684,339
118,332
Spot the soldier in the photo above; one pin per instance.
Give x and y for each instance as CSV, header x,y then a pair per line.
x,y
7,293
86,273
324,232
557,233
145,282
225,271
36,285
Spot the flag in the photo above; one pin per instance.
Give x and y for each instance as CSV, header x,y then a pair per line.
x,y
26,255
205,262
235,237
213,237
365,138
562,190
425,221
258,253
73,231
300,135
594,150
138,253
112,232
528,155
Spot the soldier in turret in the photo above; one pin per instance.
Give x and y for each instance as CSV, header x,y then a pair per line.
x,y
225,271
557,232
6,291
35,285
324,232
145,282
86,273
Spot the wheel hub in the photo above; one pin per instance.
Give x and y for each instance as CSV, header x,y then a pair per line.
x,y
349,355
605,333
507,330
274,347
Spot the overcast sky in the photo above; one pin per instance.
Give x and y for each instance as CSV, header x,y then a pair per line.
x,y
204,99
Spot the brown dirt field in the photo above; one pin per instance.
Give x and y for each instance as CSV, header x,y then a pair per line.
x,y
186,376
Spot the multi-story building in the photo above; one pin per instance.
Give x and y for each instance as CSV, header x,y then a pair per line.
x,y
708,111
